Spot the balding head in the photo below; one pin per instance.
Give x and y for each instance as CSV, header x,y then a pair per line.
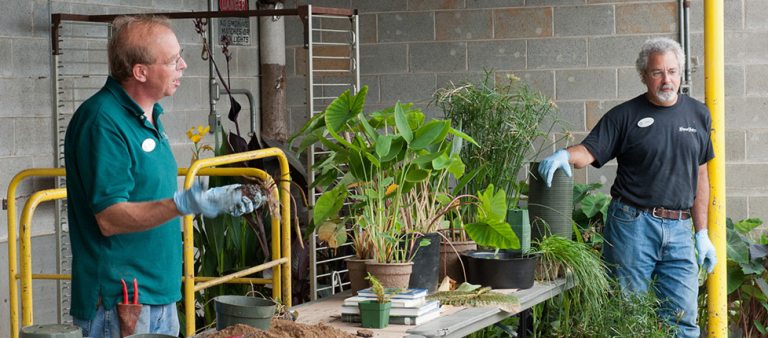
x,y
132,43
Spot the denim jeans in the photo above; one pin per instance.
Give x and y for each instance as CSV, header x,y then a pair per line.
x,y
641,248
153,319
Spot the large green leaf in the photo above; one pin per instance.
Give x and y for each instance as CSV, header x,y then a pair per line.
x,y
456,167
432,132
329,204
463,136
401,121
334,234
493,205
746,225
441,162
595,204
383,145
417,175
496,234
737,249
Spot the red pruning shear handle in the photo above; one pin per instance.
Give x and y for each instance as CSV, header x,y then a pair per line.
x,y
135,292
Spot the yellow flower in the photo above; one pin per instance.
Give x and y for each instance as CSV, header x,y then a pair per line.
x,y
197,134
391,189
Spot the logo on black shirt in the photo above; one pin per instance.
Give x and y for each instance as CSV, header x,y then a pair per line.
x,y
687,129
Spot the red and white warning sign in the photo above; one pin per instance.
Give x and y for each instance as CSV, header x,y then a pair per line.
x,y
238,29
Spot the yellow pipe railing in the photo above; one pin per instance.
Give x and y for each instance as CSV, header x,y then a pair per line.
x,y
280,263
714,95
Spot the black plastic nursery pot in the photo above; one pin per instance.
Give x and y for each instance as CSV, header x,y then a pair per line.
x,y
425,263
231,310
504,270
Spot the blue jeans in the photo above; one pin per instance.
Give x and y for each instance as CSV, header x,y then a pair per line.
x,y
641,248
153,319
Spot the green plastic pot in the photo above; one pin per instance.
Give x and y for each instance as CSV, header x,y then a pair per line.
x,y
231,310
373,314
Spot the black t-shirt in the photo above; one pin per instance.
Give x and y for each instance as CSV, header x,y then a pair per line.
x,y
658,150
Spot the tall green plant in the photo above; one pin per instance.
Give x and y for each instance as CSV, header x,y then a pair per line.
x,y
505,119
388,161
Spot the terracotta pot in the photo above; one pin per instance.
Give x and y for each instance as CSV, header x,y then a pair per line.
x,y
450,263
391,275
357,273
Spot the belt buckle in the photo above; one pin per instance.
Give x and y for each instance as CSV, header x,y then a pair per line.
x,y
661,212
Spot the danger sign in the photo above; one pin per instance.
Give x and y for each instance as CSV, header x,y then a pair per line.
x,y
237,29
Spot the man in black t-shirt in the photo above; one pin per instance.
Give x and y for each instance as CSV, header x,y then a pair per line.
x,y
661,143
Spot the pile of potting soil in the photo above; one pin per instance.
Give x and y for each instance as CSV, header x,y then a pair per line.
x,y
280,329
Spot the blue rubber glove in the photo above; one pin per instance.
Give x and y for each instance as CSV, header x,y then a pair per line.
x,y
707,256
558,160
213,202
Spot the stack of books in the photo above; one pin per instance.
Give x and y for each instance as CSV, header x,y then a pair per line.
x,y
409,306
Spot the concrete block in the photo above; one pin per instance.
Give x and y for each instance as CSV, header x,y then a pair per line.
x,y
294,31
25,97
417,88
296,91
742,180
583,20
464,25
757,146
420,5
737,207
585,84
733,19
191,94
522,22
367,26
552,2
595,109
496,54
374,93
735,145
6,52
756,78
543,81
493,3
754,12
384,58
28,56
757,208
746,112
399,27
370,6
444,80
570,116
246,61
33,136
614,50
438,57
629,83
646,18
328,3
557,53
7,143
740,47
19,24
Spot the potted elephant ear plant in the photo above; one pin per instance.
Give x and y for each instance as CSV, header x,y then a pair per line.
x,y
375,163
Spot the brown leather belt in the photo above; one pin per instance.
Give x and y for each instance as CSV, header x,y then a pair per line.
x,y
661,212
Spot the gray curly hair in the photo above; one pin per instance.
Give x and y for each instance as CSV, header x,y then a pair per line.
x,y
658,45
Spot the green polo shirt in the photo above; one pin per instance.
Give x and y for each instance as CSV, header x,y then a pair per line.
x,y
113,155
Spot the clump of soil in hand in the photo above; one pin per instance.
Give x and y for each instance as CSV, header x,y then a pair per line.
x,y
280,329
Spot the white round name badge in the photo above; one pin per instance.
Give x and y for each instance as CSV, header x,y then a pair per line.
x,y
148,145
645,122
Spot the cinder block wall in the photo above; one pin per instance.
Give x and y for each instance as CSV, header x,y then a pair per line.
x,y
579,52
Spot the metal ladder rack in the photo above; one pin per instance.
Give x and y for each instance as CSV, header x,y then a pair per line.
x,y
333,53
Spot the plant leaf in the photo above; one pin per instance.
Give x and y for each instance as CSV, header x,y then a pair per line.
x,y
496,234
383,145
746,225
332,233
401,121
329,204
463,136
432,132
417,175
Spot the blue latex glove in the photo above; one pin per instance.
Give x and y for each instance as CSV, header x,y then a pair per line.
x,y
558,160
214,201
707,256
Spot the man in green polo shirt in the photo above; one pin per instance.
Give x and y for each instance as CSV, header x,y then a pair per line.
x,y
122,194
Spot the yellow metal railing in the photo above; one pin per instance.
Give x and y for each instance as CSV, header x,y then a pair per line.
x,y
280,263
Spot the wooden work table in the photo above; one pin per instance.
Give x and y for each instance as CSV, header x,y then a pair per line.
x,y
454,321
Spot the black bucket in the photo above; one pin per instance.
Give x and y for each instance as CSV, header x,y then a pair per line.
x,y
231,310
505,270
425,264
